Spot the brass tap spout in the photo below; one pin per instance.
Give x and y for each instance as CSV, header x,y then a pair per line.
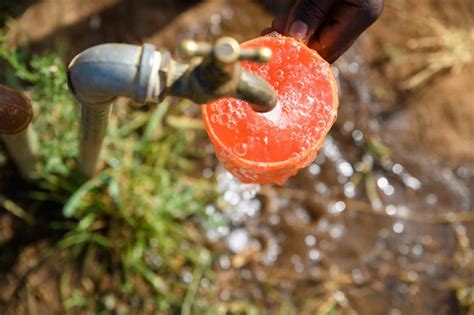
x,y
215,72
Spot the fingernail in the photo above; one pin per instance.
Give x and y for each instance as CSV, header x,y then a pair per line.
x,y
298,30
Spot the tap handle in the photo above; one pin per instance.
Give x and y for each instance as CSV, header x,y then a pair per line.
x,y
226,50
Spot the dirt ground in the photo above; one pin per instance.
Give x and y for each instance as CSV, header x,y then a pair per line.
x,y
432,121
440,111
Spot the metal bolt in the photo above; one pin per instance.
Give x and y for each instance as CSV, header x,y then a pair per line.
x,y
18,135
227,50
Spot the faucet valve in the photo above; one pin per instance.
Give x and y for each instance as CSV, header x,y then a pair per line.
x,y
225,50
215,72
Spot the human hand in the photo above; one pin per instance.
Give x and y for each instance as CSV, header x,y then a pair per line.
x,y
328,26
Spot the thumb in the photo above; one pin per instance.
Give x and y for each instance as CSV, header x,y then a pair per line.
x,y
306,16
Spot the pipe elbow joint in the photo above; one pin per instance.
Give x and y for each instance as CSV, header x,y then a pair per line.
x,y
102,73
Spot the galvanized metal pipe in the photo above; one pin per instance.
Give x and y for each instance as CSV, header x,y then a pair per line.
x,y
92,131
97,77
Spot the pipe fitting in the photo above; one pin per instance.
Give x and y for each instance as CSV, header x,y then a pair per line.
x,y
102,73
97,77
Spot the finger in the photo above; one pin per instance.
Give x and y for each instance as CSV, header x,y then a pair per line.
x,y
306,16
347,22
266,31
278,24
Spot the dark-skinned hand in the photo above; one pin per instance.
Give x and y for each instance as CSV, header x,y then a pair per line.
x,y
328,26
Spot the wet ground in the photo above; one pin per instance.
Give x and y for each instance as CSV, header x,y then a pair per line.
x,y
374,225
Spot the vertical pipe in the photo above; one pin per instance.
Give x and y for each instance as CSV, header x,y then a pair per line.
x,y
93,127
23,148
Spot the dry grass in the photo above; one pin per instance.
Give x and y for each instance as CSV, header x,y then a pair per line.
x,y
448,49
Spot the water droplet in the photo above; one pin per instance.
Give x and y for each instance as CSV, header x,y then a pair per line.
x,y
240,149
340,297
207,173
417,249
299,267
215,18
238,240
224,295
382,182
341,179
279,74
391,209
397,168
348,126
274,219
411,182
357,135
403,249
398,227
231,197
223,230
359,166
321,188
314,255
223,119
295,259
310,240
314,169
345,169
412,276
431,199
336,231
389,190
464,171
337,207
187,276
224,262
353,67
357,276
210,209
349,190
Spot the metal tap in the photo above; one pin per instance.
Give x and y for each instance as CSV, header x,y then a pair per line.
x,y
101,73
215,72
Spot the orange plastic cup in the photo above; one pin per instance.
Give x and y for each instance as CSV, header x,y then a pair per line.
x,y
270,147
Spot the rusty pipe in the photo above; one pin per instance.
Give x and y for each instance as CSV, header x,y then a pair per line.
x,y
16,131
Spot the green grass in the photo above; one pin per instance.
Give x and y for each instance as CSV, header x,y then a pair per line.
x,y
135,223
